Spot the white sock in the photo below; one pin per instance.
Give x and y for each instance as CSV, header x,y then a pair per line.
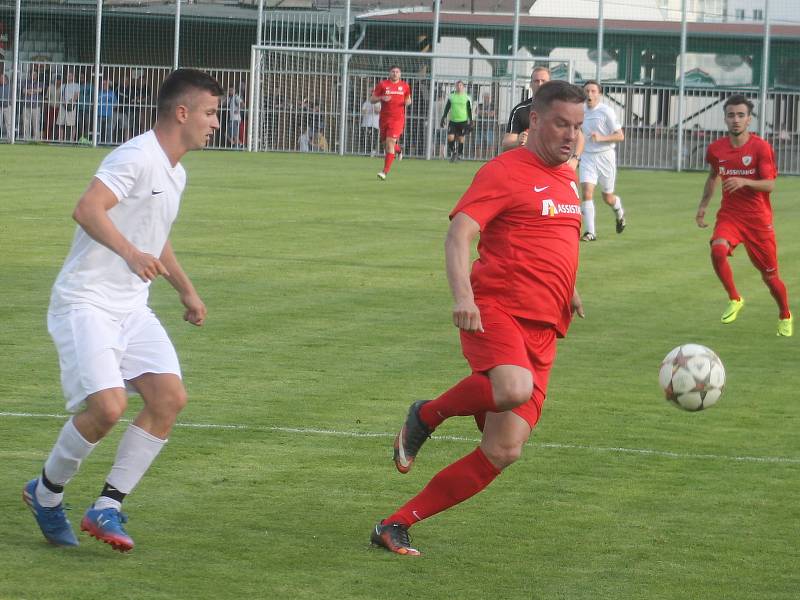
x,y
618,210
64,461
137,451
587,210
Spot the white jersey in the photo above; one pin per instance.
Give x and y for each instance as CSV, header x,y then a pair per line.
x,y
600,119
149,191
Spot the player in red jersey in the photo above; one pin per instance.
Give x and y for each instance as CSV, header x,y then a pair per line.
x,y
518,299
746,165
394,94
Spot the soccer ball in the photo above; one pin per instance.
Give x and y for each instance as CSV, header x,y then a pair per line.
x,y
692,377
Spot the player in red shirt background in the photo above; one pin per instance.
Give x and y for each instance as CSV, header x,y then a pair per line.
x,y
394,94
746,165
518,299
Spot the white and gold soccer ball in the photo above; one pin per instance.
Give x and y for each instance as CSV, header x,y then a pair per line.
x,y
692,377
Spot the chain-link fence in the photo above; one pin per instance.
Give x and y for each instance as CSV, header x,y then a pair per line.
x,y
667,66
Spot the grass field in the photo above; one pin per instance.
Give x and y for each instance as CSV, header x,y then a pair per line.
x,y
328,313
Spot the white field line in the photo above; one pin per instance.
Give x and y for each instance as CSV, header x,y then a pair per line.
x,y
448,438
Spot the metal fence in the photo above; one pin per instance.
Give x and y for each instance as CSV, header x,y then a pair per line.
x,y
668,97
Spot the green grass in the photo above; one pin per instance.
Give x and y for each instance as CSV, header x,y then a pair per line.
x,y
328,313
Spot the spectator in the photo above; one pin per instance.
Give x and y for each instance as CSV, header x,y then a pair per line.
x,y
234,107
487,123
107,106
370,127
32,91
85,107
122,120
5,107
53,95
68,109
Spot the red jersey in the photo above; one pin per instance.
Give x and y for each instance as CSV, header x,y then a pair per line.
x,y
754,160
530,219
395,108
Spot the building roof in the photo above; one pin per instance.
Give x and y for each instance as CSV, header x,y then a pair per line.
x,y
666,28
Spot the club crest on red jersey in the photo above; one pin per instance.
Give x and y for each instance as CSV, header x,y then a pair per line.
x,y
746,160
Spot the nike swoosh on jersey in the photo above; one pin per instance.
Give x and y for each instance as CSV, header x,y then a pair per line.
x,y
538,189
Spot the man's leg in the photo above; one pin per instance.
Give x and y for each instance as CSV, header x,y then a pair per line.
x,y
389,149
720,250
460,146
587,210
503,437
75,442
164,397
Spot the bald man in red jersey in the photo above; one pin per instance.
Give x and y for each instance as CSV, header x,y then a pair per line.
x,y
746,165
518,298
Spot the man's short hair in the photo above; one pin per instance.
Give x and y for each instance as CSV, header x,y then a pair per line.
x,y
539,69
558,90
181,82
593,82
395,67
737,99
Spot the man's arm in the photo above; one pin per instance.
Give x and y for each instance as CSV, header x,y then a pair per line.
x,y
617,136
733,184
457,248
91,213
575,159
510,141
708,191
444,114
195,309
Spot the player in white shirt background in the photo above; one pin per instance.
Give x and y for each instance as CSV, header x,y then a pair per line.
x,y
598,162
108,340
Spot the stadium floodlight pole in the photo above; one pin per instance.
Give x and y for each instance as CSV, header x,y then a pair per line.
x,y
437,14
600,28
762,109
514,49
345,71
15,71
98,30
177,42
681,86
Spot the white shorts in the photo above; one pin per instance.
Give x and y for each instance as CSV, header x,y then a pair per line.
x,y
98,351
599,167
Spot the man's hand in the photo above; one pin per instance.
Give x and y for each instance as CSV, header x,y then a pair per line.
x,y
466,316
577,305
733,184
700,219
146,266
195,309
523,138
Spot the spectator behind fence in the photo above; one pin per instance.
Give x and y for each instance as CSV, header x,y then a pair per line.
x,y
234,122
53,95
370,127
487,123
84,108
122,117
68,109
32,91
107,106
5,107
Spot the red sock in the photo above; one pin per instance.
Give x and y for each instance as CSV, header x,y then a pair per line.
x,y
450,486
469,396
387,162
719,258
778,290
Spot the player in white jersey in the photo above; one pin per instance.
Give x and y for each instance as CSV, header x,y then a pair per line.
x,y
108,340
598,162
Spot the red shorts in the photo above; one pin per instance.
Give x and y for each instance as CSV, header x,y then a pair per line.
x,y
509,340
759,243
392,128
